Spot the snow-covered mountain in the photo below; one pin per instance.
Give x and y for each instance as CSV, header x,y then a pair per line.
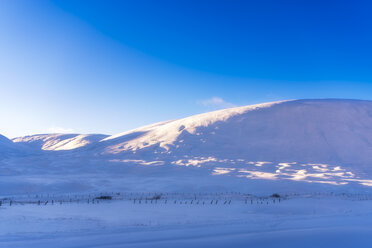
x,y
327,142
328,131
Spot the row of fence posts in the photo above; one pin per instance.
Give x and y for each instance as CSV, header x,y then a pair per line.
x,y
226,202
52,202
152,201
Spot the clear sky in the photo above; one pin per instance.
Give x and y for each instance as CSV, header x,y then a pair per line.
x,y
110,66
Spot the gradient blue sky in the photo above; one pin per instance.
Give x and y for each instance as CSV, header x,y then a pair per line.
x,y
109,66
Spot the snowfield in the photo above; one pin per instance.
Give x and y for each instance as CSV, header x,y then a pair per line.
x,y
316,154
316,220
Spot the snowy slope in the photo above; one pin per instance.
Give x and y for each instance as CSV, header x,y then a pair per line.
x,y
322,131
56,142
166,134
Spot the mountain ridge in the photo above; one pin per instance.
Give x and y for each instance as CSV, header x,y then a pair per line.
x,y
269,130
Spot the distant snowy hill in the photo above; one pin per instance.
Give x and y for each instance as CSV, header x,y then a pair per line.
x,y
56,142
283,144
10,149
5,142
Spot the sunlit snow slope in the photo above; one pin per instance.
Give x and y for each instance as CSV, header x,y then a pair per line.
x,y
332,131
56,142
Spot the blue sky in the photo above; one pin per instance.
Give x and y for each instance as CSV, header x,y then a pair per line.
x,y
109,66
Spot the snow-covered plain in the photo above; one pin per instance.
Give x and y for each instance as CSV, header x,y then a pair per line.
x,y
319,152
316,220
